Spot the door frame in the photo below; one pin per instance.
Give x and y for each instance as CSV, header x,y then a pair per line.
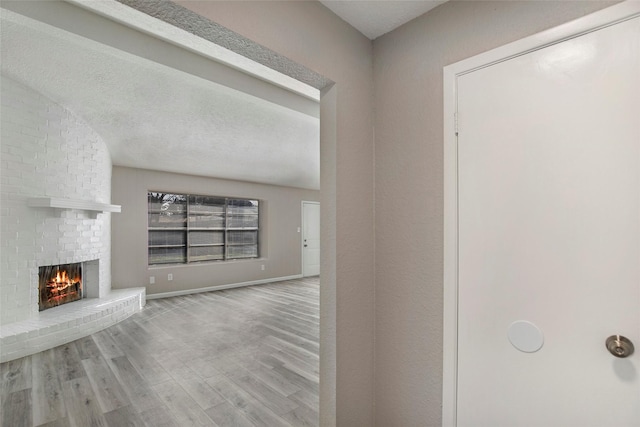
x,y
302,232
604,18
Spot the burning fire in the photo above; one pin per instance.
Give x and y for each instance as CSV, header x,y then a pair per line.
x,y
58,284
62,278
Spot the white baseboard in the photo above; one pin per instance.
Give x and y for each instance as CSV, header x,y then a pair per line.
x,y
221,287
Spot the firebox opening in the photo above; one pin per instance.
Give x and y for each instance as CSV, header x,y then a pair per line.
x,y
59,284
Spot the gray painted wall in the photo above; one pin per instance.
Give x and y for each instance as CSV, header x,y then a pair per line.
x,y
408,66
311,35
407,73
391,308
280,244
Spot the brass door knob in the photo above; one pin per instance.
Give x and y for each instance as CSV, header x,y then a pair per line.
x,y
619,346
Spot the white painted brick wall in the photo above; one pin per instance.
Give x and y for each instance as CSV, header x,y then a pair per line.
x,y
46,151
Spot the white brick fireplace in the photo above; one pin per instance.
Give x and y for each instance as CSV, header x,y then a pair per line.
x,y
48,152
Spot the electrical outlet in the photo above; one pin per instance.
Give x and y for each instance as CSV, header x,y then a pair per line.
x,y
262,267
169,277
152,280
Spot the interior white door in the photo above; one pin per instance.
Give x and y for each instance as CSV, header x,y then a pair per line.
x,y
549,235
310,239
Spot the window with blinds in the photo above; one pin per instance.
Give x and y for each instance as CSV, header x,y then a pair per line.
x,y
186,228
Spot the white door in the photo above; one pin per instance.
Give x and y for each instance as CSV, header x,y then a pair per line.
x,y
310,239
549,235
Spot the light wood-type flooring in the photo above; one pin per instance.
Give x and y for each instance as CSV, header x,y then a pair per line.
x,y
238,357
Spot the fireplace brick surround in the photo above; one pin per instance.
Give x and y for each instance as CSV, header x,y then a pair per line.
x,y
46,151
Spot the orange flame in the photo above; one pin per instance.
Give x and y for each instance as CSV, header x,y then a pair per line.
x,y
62,278
61,282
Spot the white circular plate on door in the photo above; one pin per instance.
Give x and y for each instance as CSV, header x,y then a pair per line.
x,y
525,336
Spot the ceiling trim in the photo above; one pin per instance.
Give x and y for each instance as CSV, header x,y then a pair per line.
x,y
177,25
68,17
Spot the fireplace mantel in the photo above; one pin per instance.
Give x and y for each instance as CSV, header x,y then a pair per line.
x,y
60,203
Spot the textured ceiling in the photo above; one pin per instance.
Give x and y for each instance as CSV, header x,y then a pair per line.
x,y
378,17
156,117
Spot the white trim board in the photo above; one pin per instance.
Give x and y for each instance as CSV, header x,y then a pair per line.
x,y
60,203
587,24
138,20
221,287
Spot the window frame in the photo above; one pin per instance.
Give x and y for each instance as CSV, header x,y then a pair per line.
x,y
188,230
